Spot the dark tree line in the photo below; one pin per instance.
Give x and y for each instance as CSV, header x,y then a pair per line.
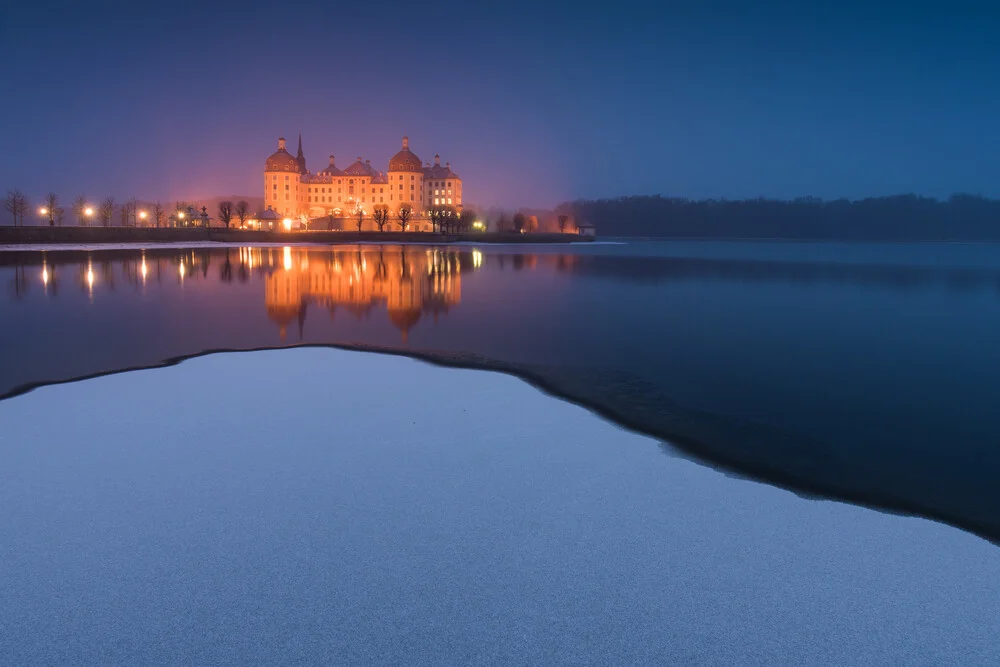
x,y
901,217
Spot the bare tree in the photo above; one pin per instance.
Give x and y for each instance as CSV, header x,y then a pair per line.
x,y
51,206
381,216
12,203
225,212
465,220
436,214
563,219
519,222
359,212
157,213
242,212
447,217
124,214
106,210
79,208
132,209
502,222
405,212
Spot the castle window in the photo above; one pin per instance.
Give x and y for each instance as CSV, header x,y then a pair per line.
x,y
449,184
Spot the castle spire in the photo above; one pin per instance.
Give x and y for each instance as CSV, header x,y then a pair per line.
x,y
300,158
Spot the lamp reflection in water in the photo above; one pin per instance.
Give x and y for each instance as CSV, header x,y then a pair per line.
x,y
144,269
90,277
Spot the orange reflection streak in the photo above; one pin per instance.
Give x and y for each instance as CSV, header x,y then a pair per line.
x,y
410,283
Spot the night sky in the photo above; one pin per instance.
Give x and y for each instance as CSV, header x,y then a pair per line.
x,y
532,103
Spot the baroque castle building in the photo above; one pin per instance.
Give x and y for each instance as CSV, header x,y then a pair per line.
x,y
292,191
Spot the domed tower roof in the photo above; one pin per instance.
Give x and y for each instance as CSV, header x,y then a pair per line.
x,y
404,319
281,159
331,170
405,160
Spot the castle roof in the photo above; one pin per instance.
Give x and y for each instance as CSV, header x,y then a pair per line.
x,y
438,172
281,160
331,169
405,160
360,168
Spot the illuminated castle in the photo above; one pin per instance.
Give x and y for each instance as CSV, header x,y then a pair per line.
x,y
292,191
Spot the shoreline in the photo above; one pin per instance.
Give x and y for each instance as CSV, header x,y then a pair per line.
x,y
709,439
95,235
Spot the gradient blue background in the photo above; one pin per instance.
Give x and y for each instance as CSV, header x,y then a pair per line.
x,y
533,103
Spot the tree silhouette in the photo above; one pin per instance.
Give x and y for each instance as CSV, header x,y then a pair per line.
x,y
381,216
563,219
225,212
158,213
465,220
405,212
79,206
51,204
242,212
17,204
106,211
132,211
519,222
359,212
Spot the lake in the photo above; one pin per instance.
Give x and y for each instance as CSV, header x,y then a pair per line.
x,y
863,372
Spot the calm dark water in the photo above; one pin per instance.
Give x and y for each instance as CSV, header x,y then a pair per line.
x,y
864,372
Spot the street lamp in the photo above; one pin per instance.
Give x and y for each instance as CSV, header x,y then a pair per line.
x,y
288,224
142,216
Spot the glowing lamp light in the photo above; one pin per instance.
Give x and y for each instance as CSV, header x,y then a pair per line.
x,y
142,215
90,277
45,275
88,211
287,258
180,214
144,269
43,211
182,270
287,222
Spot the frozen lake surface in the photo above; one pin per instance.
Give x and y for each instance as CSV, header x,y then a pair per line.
x,y
330,507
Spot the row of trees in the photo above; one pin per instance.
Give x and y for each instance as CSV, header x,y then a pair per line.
x,y
444,219
228,210
895,218
128,214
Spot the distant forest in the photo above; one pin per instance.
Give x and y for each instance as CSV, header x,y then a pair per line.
x,y
904,217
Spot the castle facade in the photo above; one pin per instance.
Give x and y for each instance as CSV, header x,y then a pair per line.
x,y
292,191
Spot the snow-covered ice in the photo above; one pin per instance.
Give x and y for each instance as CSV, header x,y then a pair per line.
x,y
331,507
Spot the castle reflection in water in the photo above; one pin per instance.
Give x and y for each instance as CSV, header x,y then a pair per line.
x,y
409,283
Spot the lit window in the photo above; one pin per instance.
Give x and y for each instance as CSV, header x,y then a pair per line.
x,y
449,200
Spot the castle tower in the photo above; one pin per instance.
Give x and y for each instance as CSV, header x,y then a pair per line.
x,y
301,158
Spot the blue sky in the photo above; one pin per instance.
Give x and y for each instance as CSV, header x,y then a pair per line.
x,y
532,103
